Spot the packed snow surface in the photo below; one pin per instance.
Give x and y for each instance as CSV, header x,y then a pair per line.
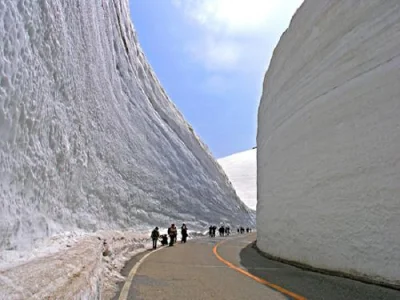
x,y
89,139
241,169
84,266
329,138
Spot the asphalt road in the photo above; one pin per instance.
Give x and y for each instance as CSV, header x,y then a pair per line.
x,y
234,270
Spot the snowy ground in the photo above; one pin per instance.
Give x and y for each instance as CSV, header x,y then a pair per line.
x,y
72,266
241,169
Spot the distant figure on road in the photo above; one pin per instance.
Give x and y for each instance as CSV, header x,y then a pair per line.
x,y
155,234
238,230
184,233
214,229
221,230
210,231
227,230
164,239
241,230
172,232
247,229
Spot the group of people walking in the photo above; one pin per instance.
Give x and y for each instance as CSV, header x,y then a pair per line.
x,y
241,230
222,230
225,230
172,234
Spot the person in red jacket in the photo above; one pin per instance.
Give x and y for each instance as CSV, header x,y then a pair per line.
x,y
172,232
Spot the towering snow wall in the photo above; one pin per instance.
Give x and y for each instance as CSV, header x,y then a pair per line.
x,y
241,169
88,138
329,139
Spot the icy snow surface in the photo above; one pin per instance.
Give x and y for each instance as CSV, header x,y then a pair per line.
x,y
88,137
329,139
89,140
241,169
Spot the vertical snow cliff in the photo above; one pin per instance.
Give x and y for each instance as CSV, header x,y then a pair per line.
x,y
88,138
329,139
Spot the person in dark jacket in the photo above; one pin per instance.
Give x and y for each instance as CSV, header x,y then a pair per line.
x,y
184,233
221,230
164,239
155,234
227,230
214,229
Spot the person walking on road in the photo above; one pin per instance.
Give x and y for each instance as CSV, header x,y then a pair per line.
x,y
221,230
227,230
214,229
184,233
172,232
155,234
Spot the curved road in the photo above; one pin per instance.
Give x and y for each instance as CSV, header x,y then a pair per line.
x,y
230,268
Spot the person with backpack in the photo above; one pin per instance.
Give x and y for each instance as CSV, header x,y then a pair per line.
x,y
172,232
155,234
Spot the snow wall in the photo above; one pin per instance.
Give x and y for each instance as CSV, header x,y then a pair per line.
x,y
329,139
88,138
241,169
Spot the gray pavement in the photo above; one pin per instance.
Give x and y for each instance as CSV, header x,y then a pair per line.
x,y
310,284
192,271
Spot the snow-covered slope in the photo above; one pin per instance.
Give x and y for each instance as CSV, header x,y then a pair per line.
x,y
241,169
88,138
329,139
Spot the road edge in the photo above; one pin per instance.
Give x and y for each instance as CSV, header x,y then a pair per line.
x,y
123,295
258,279
306,267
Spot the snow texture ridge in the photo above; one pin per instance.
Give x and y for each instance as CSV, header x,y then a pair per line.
x,y
328,140
88,138
241,169
87,267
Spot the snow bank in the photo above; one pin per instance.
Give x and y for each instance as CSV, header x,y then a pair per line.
x,y
90,143
84,267
241,169
89,140
329,138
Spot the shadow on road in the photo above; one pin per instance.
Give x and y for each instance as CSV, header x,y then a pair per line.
x,y
310,284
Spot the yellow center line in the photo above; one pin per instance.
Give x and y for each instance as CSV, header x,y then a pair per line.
x,y
258,279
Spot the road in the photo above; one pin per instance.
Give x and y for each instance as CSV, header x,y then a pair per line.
x,y
230,268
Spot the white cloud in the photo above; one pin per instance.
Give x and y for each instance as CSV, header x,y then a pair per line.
x,y
232,16
236,34
215,54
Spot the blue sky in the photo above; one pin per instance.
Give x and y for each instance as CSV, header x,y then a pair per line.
x,y
211,57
